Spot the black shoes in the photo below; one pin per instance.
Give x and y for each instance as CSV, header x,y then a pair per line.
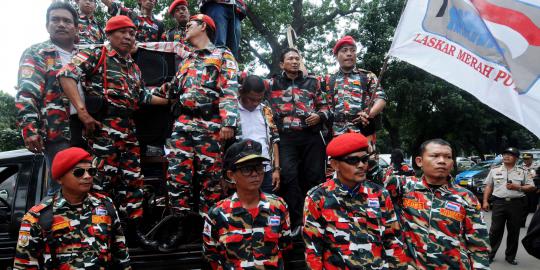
x,y
511,261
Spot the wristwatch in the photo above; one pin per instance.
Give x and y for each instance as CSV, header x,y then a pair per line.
x,y
276,169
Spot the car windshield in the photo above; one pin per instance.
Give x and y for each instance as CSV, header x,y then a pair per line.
x,y
482,165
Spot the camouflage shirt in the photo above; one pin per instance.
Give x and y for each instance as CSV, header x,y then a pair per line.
x,y
237,238
351,228
123,81
42,107
177,34
207,79
442,227
294,100
90,32
149,29
86,236
348,94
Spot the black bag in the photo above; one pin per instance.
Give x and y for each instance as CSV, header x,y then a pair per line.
x,y
531,241
97,106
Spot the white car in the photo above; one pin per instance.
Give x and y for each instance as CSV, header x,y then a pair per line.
x,y
464,163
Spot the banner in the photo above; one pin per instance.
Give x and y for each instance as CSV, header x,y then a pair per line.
x,y
489,48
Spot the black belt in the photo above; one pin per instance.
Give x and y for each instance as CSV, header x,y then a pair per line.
x,y
507,199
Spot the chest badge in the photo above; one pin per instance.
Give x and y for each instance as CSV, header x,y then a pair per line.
x,y
274,220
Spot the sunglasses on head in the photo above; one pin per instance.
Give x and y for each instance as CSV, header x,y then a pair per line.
x,y
249,169
355,160
79,172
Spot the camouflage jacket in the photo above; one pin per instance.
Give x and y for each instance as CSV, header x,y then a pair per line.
x,y
294,100
351,229
42,107
403,169
206,80
124,89
349,94
90,32
177,34
84,236
149,29
235,239
442,226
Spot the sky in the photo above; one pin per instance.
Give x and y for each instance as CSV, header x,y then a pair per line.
x,y
22,23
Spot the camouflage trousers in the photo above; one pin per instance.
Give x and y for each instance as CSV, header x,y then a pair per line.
x,y
118,156
194,155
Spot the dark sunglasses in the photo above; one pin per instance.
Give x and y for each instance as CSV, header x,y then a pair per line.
x,y
249,169
79,172
355,160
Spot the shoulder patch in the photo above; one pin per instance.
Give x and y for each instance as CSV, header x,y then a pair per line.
x,y
38,207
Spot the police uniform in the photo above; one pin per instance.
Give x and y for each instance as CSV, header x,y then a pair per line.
x,y
237,238
104,73
149,29
352,228
508,207
301,148
206,87
90,32
85,236
442,227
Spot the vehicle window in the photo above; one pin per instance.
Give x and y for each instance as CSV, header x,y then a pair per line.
x,y
8,179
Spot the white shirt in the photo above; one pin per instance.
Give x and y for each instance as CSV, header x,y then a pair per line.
x,y
65,58
253,127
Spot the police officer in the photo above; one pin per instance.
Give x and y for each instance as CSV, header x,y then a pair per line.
x,y
532,197
250,229
442,222
109,74
42,107
350,91
75,228
148,27
300,109
508,184
179,10
350,223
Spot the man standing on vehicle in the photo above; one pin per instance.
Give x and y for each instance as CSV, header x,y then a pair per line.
x,y
108,73
179,10
250,229
43,109
90,31
508,184
442,222
350,222
75,228
148,28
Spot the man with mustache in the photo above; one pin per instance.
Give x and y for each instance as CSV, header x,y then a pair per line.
x,y
149,29
349,221
442,223
42,107
75,228
179,10
250,229
299,110
108,73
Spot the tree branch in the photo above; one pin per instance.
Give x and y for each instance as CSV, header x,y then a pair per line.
x,y
315,21
257,54
259,27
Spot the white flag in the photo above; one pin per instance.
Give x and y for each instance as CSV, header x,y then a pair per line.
x,y
489,48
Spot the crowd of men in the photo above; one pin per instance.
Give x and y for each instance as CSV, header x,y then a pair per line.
x,y
267,188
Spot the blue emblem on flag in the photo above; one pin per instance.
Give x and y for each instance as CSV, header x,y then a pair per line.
x,y
274,220
456,207
373,203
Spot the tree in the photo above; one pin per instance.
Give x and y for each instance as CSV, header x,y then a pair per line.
x,y
10,139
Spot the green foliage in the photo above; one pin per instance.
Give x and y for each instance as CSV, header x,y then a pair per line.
x,y
10,138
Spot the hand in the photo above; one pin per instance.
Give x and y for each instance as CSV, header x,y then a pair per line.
x,y
90,124
512,186
485,206
275,180
313,119
363,118
226,133
34,144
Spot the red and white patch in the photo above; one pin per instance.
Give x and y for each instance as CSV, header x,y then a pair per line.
x,y
207,230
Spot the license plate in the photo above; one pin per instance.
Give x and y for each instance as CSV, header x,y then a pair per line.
x,y
463,182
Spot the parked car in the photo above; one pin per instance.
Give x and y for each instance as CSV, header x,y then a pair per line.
x,y
473,178
464,163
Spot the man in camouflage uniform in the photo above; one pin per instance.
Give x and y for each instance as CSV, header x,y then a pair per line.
x,y
149,29
109,73
75,228
42,107
349,222
90,32
250,229
206,89
300,109
179,10
442,223
349,91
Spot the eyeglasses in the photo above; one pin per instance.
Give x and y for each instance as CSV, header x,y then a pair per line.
x,y
79,172
355,160
249,169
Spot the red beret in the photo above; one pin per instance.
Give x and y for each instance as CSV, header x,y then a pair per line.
x,y
204,18
66,159
346,40
345,144
118,22
176,3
